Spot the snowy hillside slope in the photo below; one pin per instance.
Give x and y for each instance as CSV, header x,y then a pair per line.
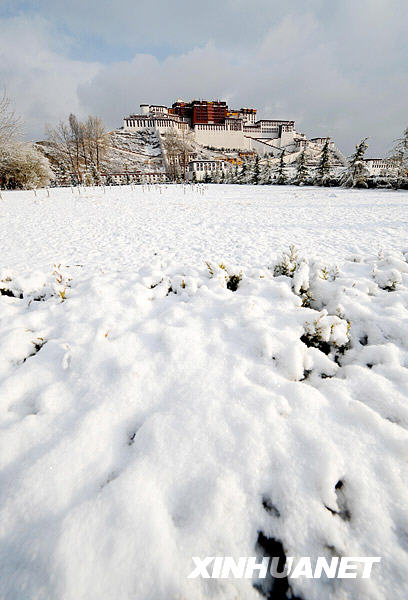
x,y
138,151
155,407
127,151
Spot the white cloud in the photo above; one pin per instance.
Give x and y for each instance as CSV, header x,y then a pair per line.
x,y
41,80
290,37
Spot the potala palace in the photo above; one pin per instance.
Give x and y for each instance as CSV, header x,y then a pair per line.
x,y
214,125
200,139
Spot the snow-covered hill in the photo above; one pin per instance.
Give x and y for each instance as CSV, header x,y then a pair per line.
x,y
176,382
138,151
127,151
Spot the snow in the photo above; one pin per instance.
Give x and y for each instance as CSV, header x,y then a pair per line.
x,y
239,224
149,414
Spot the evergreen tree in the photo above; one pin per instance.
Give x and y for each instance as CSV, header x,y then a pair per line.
x,y
266,173
324,168
96,176
227,174
243,175
302,172
399,158
88,177
282,177
126,169
256,176
63,176
357,171
215,176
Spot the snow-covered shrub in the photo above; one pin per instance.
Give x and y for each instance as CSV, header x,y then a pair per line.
x,y
233,281
23,166
387,272
326,332
162,287
230,279
184,284
298,269
387,279
287,263
301,277
327,273
35,286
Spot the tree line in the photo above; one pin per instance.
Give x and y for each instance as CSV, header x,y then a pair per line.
x,y
264,172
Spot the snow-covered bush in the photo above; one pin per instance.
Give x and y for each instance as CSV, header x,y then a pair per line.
x,y
36,286
387,274
297,268
23,166
326,332
288,262
230,279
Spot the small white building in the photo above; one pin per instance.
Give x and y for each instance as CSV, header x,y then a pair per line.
x,y
128,177
381,167
198,169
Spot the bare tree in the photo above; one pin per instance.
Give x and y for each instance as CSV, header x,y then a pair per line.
x,y
63,151
177,148
80,147
186,149
10,124
97,140
77,140
172,148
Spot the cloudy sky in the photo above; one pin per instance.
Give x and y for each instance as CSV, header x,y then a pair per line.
x,y
338,67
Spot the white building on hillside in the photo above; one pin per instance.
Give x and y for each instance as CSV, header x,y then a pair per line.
x,y
381,167
215,126
198,169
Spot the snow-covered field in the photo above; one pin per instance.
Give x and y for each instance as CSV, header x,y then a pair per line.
x,y
245,224
154,407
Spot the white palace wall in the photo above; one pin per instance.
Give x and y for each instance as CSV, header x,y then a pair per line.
x,y
217,136
231,136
